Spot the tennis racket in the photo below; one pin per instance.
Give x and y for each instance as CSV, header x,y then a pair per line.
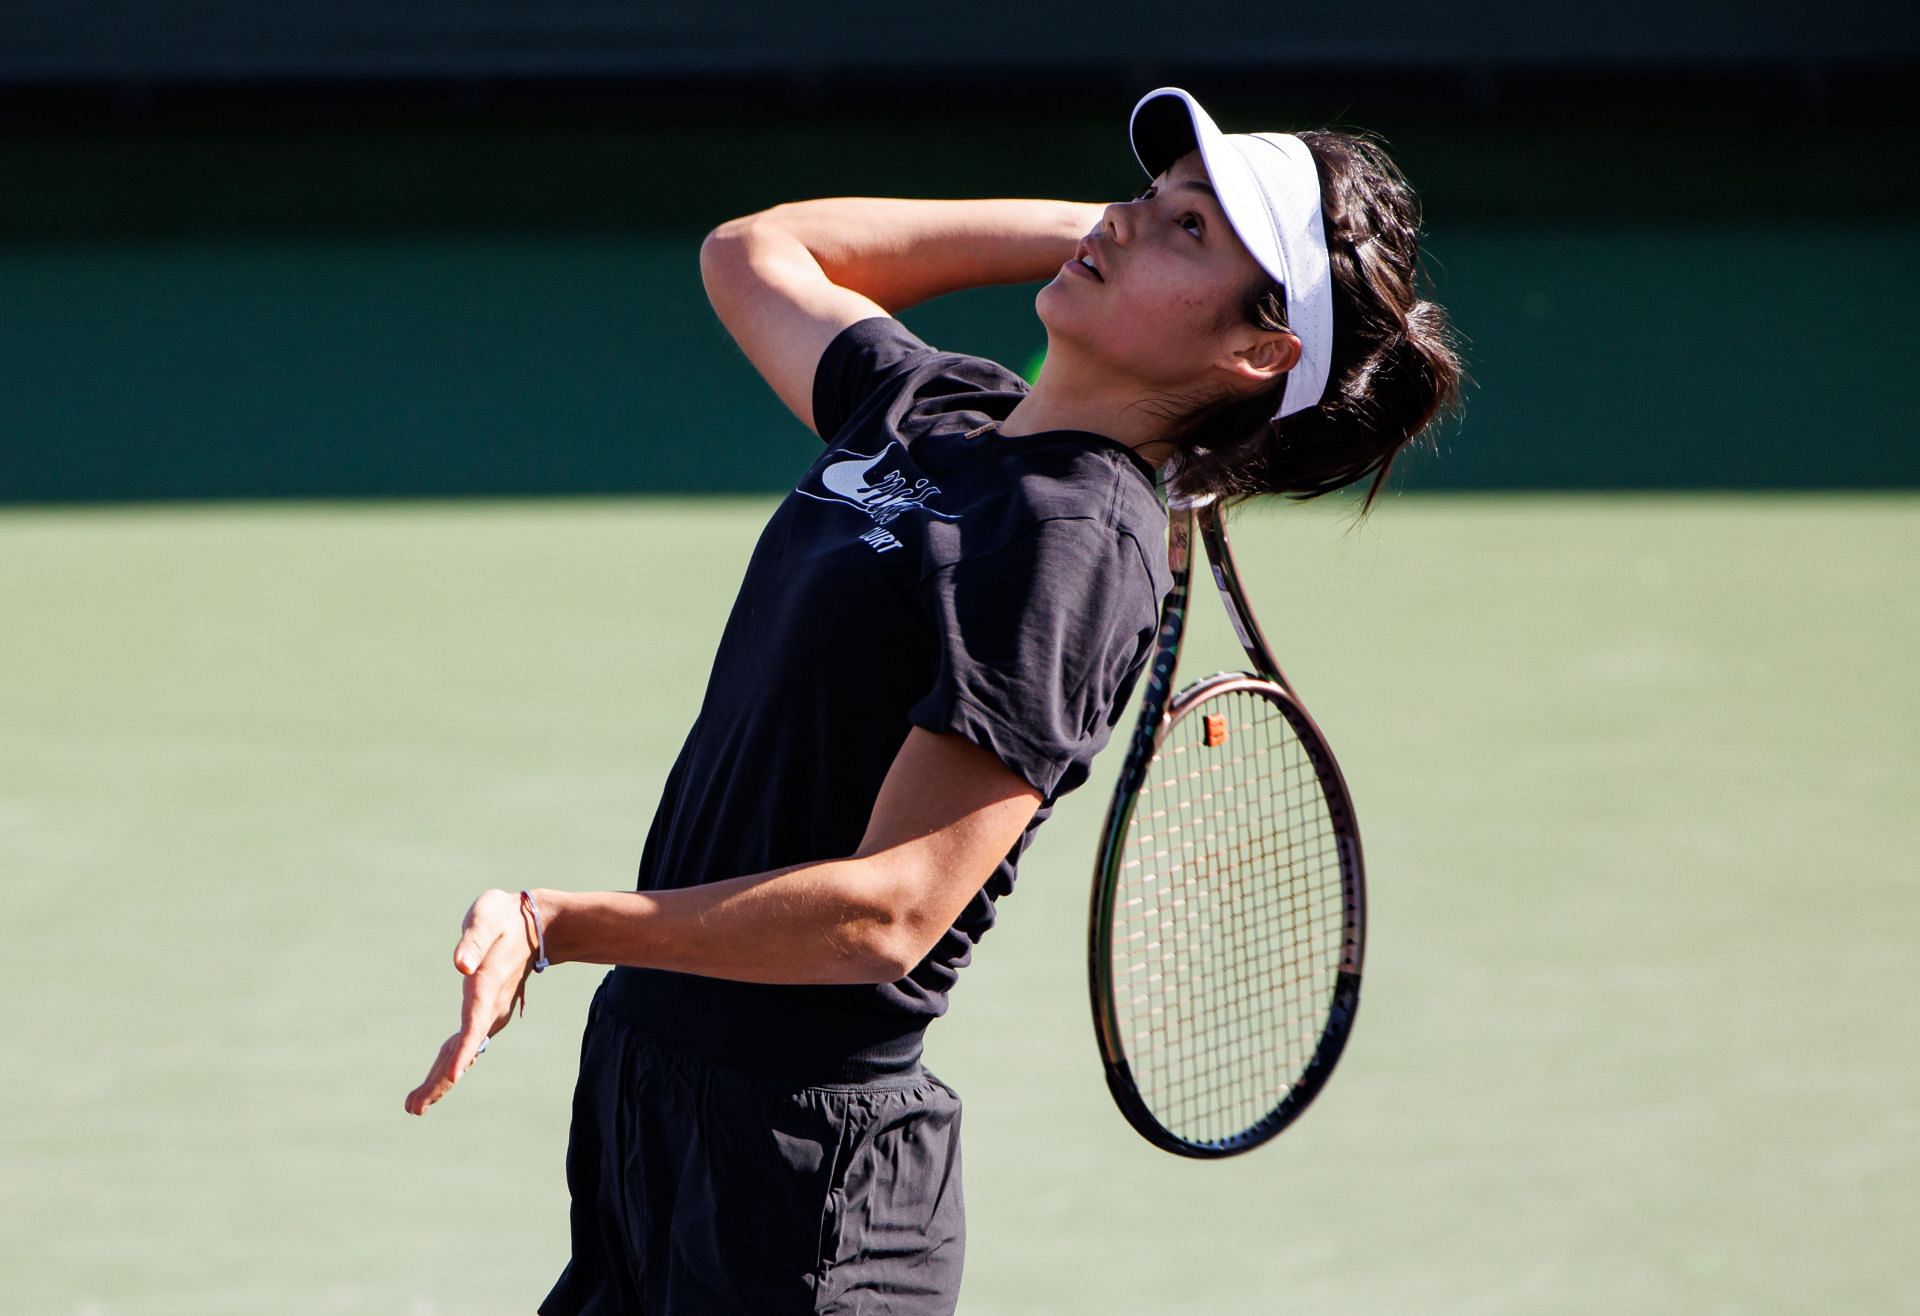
x,y
1229,903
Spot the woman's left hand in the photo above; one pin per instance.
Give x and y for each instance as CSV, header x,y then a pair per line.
x,y
495,956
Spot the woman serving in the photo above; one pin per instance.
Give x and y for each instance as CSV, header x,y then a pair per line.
x,y
936,633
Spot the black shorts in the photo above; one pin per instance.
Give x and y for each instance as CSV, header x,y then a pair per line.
x,y
699,1188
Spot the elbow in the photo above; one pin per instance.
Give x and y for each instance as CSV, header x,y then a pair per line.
x,y
895,932
890,952
721,242
733,260
726,238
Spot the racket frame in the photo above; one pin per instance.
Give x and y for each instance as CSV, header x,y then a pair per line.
x,y
1158,714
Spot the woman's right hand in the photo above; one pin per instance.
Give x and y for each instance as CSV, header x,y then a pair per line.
x,y
494,956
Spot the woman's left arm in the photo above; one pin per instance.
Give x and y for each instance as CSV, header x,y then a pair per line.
x,y
946,815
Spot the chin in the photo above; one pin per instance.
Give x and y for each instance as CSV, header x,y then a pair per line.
x,y
1047,296
1059,317
1100,337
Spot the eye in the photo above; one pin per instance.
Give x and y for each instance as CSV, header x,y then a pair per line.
x,y
1182,221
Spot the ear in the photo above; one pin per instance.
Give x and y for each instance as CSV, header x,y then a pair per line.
x,y
1264,357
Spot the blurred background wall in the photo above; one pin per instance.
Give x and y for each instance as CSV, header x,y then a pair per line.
x,y
355,249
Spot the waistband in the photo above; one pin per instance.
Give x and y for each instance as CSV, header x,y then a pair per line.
x,y
773,1031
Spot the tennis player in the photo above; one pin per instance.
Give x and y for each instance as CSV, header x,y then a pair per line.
x,y
937,632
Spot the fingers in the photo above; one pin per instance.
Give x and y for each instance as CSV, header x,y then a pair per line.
x,y
440,1078
485,923
445,1071
478,1010
489,965
485,1004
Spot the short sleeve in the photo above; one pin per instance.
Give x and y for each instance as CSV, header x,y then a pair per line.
x,y
1039,644
863,361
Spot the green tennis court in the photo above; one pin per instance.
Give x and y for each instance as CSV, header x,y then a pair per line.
x,y
1637,777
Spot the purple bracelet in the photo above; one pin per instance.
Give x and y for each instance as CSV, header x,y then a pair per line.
x,y
540,964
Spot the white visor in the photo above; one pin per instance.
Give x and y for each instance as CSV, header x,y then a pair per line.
x,y
1270,190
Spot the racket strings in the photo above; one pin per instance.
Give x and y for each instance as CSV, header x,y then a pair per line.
x,y
1229,917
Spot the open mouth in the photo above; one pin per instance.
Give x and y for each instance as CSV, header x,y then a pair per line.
x,y
1079,265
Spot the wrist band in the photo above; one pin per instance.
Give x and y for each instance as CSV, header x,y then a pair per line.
x,y
540,938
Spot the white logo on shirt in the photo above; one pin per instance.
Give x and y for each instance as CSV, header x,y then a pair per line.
x,y
884,499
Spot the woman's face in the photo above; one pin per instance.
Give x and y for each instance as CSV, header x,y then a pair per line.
x,y
1165,309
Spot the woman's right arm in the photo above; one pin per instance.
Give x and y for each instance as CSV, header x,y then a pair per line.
x,y
948,811
785,281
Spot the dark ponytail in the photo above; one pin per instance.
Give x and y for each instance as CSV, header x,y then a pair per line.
x,y
1395,368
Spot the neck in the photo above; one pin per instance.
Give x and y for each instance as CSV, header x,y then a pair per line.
x,y
1066,398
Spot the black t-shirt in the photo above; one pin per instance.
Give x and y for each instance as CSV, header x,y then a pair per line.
x,y
1004,589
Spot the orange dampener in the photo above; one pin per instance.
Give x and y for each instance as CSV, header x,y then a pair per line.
x,y
1216,729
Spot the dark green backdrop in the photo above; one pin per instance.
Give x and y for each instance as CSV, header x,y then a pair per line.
x,y
215,39
479,306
